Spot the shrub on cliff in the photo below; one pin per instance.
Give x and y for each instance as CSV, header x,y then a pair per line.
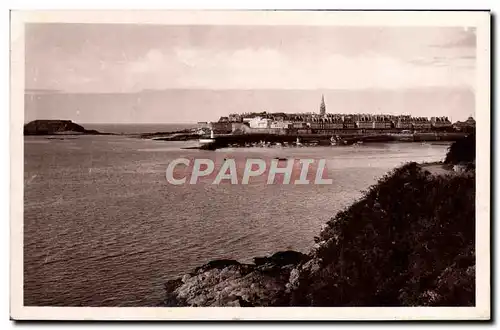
x,y
408,242
462,151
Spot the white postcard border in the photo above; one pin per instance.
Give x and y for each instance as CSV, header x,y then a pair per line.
x,y
479,20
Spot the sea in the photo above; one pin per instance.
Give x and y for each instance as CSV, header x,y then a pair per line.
x,y
103,226
138,128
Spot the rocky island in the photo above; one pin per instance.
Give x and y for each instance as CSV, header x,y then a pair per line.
x,y
56,127
410,241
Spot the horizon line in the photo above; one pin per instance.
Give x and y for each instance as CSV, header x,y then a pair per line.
x,y
419,88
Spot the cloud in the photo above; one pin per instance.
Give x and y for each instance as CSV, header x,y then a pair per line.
x,y
465,39
128,59
458,62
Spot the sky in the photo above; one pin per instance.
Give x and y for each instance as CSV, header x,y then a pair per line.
x,y
82,63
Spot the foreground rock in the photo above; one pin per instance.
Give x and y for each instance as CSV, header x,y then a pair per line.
x,y
55,127
408,242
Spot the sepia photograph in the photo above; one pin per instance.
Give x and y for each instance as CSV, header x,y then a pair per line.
x,y
233,161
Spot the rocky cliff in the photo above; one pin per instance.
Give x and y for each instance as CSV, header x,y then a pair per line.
x,y
52,127
408,242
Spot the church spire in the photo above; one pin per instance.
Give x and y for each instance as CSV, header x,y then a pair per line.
x,y
322,107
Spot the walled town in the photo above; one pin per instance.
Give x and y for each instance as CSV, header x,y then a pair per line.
x,y
324,123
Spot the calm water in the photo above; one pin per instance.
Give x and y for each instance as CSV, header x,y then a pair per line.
x,y
137,128
103,227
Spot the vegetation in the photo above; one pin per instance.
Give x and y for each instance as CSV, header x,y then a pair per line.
x,y
408,242
51,127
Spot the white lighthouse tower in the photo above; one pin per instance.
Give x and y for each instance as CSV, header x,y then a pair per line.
x,y
211,140
322,107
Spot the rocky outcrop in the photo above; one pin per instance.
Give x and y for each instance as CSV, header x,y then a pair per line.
x,y
408,242
52,127
462,151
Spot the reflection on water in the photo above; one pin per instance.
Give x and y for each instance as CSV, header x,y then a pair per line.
x,y
102,226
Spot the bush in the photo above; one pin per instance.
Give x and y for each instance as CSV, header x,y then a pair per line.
x,y
408,242
462,151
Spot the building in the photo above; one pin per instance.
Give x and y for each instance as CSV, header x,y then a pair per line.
x,y
259,122
465,126
382,122
281,124
348,122
403,122
221,127
328,123
315,123
299,124
203,131
278,117
364,122
202,124
470,122
333,123
235,118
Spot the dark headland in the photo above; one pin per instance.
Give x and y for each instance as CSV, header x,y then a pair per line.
x,y
57,127
408,242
